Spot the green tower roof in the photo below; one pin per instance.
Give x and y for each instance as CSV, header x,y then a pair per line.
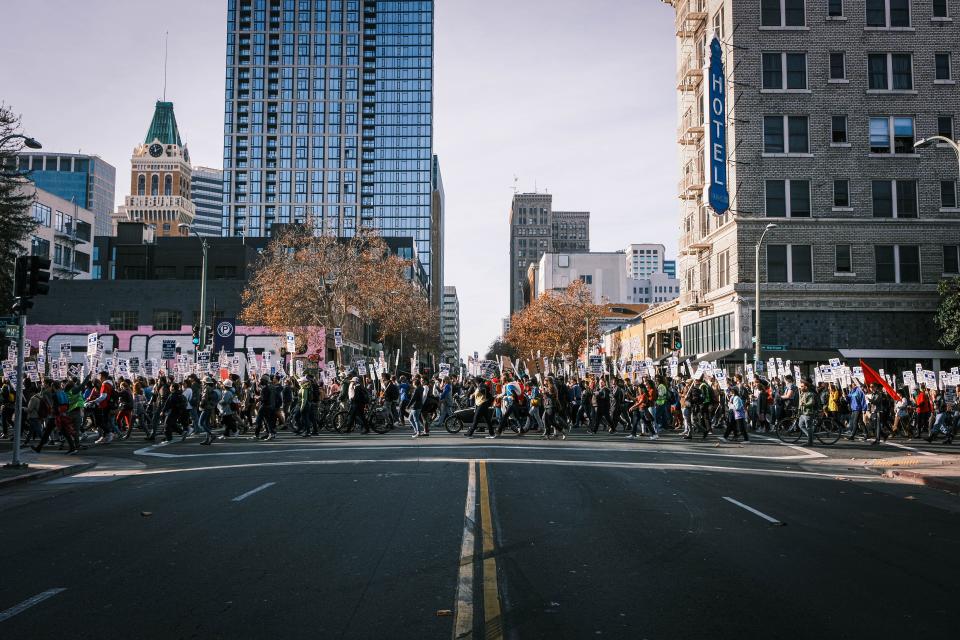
x,y
164,125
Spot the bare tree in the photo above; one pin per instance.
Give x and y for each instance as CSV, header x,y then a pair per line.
x,y
16,196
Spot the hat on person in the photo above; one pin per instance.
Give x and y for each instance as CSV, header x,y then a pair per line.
x,y
208,380
228,382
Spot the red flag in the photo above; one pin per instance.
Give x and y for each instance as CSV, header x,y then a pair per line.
x,y
872,377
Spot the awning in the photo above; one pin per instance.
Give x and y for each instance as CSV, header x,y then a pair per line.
x,y
728,355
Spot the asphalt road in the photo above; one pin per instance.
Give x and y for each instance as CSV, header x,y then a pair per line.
x,y
389,537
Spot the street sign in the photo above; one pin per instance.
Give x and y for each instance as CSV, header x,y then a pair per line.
x,y
337,337
11,331
773,347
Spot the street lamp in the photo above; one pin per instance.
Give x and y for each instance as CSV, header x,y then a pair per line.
x,y
756,333
204,245
927,142
31,143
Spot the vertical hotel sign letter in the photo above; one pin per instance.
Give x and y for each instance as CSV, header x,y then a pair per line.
x,y
718,195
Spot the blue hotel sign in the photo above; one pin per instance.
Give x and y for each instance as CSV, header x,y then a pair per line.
x,y
718,195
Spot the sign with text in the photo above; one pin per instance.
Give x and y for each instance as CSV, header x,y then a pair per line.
x,y
224,336
718,195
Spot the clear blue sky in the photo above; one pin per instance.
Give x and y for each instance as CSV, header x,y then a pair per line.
x,y
576,97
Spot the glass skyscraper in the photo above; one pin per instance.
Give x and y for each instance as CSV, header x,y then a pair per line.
x,y
86,180
329,117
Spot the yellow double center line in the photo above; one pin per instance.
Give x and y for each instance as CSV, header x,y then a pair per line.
x,y
492,627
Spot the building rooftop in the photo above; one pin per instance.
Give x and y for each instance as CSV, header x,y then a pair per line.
x,y
164,125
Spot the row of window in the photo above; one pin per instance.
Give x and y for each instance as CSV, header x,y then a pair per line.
x,y
879,14
787,71
892,263
889,198
163,319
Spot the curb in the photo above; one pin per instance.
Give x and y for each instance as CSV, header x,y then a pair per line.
x,y
47,474
914,477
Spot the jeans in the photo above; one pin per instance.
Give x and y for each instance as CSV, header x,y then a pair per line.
x,y
806,423
660,415
416,420
444,413
853,423
204,422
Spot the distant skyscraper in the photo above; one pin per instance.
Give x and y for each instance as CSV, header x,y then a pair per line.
x,y
206,192
160,177
670,268
644,259
450,325
85,180
535,229
329,116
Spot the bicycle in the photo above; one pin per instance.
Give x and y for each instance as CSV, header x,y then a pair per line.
x,y
825,429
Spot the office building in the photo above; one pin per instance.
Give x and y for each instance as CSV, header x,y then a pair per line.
x,y
670,268
603,272
437,224
64,234
824,102
644,259
86,180
206,193
450,325
535,229
329,116
160,178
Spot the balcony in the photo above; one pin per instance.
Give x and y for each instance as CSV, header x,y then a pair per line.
x,y
692,301
691,17
691,184
690,130
690,71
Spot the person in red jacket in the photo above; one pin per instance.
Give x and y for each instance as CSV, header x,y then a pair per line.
x,y
924,409
101,409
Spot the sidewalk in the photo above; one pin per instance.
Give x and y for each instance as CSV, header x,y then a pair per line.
x,y
940,472
44,466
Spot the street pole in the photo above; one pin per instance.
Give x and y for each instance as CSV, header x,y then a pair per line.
x,y
756,334
18,408
203,294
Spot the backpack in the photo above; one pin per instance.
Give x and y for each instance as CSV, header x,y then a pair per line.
x,y
706,393
181,402
392,393
44,409
695,396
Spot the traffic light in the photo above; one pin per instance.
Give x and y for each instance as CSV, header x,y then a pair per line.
x,y
196,335
38,275
31,275
677,343
666,341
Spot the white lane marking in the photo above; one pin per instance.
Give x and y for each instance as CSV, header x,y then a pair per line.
x,y
83,479
915,450
752,510
809,452
243,496
29,602
312,447
463,626
680,466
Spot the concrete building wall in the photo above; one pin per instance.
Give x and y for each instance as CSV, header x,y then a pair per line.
x,y
602,272
64,234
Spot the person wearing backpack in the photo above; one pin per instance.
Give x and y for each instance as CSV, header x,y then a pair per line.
x,y
391,396
228,407
482,401
101,408
358,404
209,398
266,410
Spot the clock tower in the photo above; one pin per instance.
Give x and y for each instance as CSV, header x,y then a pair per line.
x,y
160,178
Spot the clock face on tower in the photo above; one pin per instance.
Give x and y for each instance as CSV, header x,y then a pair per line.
x,y
156,150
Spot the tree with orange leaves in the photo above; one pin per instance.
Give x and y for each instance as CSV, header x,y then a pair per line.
x,y
555,324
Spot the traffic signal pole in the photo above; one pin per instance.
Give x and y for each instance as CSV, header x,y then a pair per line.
x,y
18,408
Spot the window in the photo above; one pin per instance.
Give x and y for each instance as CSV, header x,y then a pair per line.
x,y
782,13
951,258
41,213
124,321
897,263
796,139
940,9
586,279
888,13
842,259
789,263
166,320
168,185
948,194
40,247
165,273
900,142
723,269
228,272
784,71
838,130
835,8
838,65
788,198
890,71
841,193
942,67
945,126
894,199
141,185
